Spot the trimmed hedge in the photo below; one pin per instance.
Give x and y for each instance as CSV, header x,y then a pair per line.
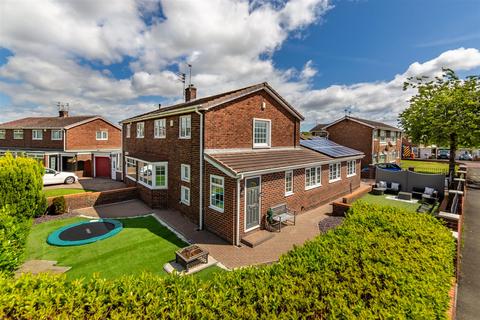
x,y
380,263
13,238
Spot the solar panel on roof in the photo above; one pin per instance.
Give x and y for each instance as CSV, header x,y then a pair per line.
x,y
329,148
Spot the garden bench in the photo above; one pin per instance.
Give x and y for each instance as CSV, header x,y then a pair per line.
x,y
281,214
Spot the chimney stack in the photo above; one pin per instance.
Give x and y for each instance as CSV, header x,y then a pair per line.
x,y
62,109
190,93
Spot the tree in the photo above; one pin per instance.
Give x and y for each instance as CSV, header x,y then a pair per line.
x,y
445,111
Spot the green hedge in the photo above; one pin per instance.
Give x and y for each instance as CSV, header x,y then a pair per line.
x,y
380,263
21,186
13,237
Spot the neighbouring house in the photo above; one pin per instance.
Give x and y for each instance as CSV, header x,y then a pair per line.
x,y
379,142
318,130
90,146
224,160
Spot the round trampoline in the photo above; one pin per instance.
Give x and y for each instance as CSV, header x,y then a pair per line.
x,y
80,233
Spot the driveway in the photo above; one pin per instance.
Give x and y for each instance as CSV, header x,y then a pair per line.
x,y
95,184
468,306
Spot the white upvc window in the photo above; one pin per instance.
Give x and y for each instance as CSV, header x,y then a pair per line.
x,y
261,133
128,129
153,175
185,195
288,183
313,177
37,134
351,168
57,134
217,191
131,168
140,129
334,172
185,172
160,128
102,135
383,136
185,127
18,134
375,134
2,134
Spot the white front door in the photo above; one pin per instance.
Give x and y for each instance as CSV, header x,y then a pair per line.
x,y
114,158
252,203
52,162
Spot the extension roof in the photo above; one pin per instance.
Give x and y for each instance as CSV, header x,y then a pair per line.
x,y
210,102
329,147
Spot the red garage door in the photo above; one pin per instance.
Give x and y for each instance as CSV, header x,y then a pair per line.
x,y
102,167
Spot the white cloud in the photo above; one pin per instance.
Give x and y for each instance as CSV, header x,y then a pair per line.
x,y
379,100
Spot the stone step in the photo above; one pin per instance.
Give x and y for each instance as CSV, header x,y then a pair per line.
x,y
258,237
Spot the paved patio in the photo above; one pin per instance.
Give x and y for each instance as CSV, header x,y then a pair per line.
x,y
307,227
95,184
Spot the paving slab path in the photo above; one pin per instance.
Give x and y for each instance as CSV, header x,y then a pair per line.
x,y
468,301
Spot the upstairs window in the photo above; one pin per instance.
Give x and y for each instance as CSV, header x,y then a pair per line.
x,y
185,172
102,135
140,129
18,134
56,134
351,168
2,134
37,135
261,133
185,127
334,172
128,129
160,128
383,136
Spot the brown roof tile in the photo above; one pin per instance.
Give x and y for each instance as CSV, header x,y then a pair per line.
x,y
44,122
249,161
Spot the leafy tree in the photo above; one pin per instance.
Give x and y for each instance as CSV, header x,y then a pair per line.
x,y
445,111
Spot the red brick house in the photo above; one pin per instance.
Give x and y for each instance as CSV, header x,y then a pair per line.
x,y
86,145
379,142
224,160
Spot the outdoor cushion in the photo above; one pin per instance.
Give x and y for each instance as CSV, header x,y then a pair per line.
x,y
429,191
382,184
395,186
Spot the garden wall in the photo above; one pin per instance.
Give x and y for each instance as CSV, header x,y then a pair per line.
x,y
90,199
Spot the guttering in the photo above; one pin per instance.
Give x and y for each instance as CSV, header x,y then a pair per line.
x,y
200,204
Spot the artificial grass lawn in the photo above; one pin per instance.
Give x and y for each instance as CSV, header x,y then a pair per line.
x,y
62,192
427,165
143,245
209,273
383,201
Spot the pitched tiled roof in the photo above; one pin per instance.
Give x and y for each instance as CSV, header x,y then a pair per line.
x,y
318,127
252,161
215,100
375,124
44,122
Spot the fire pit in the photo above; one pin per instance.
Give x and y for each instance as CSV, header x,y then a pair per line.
x,y
191,256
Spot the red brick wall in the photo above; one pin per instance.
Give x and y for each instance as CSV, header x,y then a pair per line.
x,y
220,223
90,199
354,135
83,137
273,192
231,126
28,143
175,151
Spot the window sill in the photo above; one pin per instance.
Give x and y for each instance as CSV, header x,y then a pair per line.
x,y
334,180
160,137
287,194
261,146
252,228
351,175
185,138
140,137
101,139
216,208
313,187
133,179
151,187
186,180
185,203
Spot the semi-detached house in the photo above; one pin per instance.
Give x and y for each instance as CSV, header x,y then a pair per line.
x,y
88,145
223,160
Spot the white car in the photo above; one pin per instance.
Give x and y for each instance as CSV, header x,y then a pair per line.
x,y
55,177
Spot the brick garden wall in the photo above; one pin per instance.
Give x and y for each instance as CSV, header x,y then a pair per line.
x,y
90,199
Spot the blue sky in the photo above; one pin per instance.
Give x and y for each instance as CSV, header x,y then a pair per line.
x,y
120,59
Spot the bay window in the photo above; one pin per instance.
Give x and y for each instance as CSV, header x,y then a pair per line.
x,y
153,174
131,168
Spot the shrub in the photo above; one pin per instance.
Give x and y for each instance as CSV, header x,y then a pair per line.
x,y
58,205
380,263
13,236
21,185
